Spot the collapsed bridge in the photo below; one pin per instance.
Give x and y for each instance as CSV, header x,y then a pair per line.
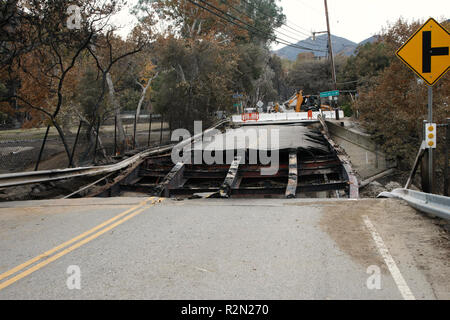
x,y
285,160
274,161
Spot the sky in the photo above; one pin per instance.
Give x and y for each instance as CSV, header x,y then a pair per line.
x,y
355,20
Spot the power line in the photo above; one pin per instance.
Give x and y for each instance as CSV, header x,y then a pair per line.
x,y
253,6
308,34
296,45
317,44
296,25
277,39
243,13
297,35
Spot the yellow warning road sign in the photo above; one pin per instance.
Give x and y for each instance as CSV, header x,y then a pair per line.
x,y
427,52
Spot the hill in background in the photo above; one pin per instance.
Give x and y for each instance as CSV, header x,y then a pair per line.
x,y
341,46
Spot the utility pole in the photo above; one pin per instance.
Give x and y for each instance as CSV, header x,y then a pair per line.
x,y
330,47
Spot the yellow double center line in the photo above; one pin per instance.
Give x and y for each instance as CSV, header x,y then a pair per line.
x,y
74,243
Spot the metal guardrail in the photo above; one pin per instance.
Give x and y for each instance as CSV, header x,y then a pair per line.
x,y
23,178
430,203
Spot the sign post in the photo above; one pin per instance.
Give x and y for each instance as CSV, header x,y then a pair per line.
x,y
430,150
331,94
427,54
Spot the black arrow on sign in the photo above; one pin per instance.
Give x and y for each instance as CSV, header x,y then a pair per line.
x,y
428,51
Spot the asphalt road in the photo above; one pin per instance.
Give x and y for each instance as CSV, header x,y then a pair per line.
x,y
220,249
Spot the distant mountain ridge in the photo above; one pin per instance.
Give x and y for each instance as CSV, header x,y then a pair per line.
x,y
319,47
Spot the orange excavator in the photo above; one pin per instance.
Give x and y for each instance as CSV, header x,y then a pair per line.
x,y
306,103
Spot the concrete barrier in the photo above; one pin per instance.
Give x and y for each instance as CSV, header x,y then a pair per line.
x,y
286,117
365,155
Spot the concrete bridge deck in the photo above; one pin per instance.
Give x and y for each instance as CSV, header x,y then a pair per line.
x,y
126,248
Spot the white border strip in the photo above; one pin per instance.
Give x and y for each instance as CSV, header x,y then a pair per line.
x,y
395,272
